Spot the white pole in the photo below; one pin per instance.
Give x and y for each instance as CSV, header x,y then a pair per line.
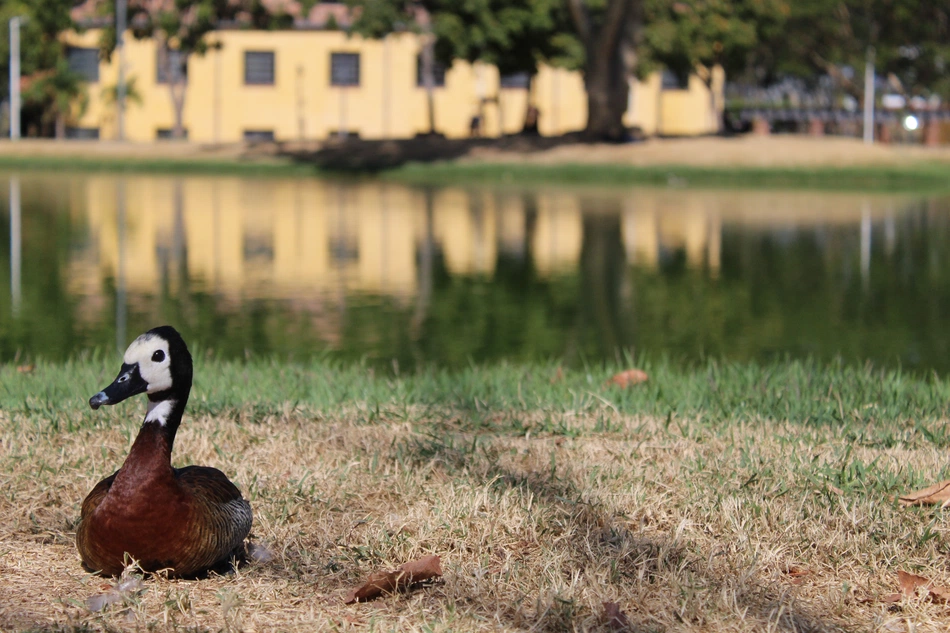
x,y
120,20
869,96
15,244
14,79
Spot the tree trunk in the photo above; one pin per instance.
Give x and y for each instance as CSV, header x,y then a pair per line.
x,y
714,112
611,59
60,125
428,77
176,86
608,89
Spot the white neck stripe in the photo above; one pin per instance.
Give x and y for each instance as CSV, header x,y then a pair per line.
x,y
159,411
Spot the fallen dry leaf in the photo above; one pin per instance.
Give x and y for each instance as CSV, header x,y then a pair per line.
x,y
26,369
797,574
616,619
628,378
911,582
382,582
558,376
937,493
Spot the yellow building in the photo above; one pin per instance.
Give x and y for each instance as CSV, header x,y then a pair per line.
x,y
308,84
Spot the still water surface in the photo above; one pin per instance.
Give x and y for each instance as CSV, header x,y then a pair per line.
x,y
453,275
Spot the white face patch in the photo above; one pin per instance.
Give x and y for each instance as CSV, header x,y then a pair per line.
x,y
150,351
159,411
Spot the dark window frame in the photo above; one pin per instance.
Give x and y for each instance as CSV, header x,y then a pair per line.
x,y
168,134
254,81
344,82
160,76
670,80
515,81
439,71
258,136
79,59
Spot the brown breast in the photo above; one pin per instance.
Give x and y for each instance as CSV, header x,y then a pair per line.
x,y
187,520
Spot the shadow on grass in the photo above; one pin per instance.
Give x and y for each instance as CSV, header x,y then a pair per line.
x,y
357,155
603,541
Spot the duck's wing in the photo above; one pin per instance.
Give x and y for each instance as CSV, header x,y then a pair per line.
x,y
95,497
224,514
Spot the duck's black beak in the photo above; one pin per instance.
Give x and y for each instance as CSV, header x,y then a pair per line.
x,y
127,384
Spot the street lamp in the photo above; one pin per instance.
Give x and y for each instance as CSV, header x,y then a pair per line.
x,y
15,23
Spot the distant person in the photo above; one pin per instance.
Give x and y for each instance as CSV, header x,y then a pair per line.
x,y
531,121
475,126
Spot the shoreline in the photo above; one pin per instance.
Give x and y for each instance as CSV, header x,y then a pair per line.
x,y
743,162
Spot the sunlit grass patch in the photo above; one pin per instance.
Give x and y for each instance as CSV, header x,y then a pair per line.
x,y
722,498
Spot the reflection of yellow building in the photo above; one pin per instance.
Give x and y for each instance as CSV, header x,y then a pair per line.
x,y
311,239
309,83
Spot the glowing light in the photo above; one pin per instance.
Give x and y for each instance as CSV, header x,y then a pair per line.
x,y
911,123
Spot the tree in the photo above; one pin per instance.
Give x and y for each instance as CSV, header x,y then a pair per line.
x,y
181,27
910,40
611,31
43,62
690,36
60,92
514,36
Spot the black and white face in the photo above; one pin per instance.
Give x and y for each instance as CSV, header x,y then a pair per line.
x,y
146,368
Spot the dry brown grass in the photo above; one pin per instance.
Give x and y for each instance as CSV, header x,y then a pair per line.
x,y
685,526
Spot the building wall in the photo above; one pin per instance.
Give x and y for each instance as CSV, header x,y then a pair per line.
x,y
302,105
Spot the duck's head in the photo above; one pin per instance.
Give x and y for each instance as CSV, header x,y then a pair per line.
x,y
157,363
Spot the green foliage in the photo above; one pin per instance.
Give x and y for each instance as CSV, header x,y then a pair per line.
x,y
110,93
911,39
41,48
515,36
60,92
182,25
688,33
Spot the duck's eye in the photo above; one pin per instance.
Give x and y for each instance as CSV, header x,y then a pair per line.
x,y
158,356
124,378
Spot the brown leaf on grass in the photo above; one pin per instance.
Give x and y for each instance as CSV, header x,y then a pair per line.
x,y
26,369
797,574
911,582
937,493
382,582
558,376
616,619
628,378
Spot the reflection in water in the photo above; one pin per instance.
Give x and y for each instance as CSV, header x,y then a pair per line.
x,y
16,243
453,275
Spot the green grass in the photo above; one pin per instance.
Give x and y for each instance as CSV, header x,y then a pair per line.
x,y
688,500
876,404
918,177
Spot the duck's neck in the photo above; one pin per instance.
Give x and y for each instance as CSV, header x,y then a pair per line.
x,y
150,456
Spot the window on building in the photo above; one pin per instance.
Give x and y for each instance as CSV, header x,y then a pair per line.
x,y
674,81
167,133
438,73
344,69
84,61
88,133
259,68
515,80
258,136
163,72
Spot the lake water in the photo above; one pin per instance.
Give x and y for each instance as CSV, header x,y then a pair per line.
x,y
452,275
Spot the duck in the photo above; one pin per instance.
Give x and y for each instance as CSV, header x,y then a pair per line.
x,y
187,521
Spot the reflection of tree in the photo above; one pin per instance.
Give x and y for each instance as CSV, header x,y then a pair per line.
x,y
604,318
